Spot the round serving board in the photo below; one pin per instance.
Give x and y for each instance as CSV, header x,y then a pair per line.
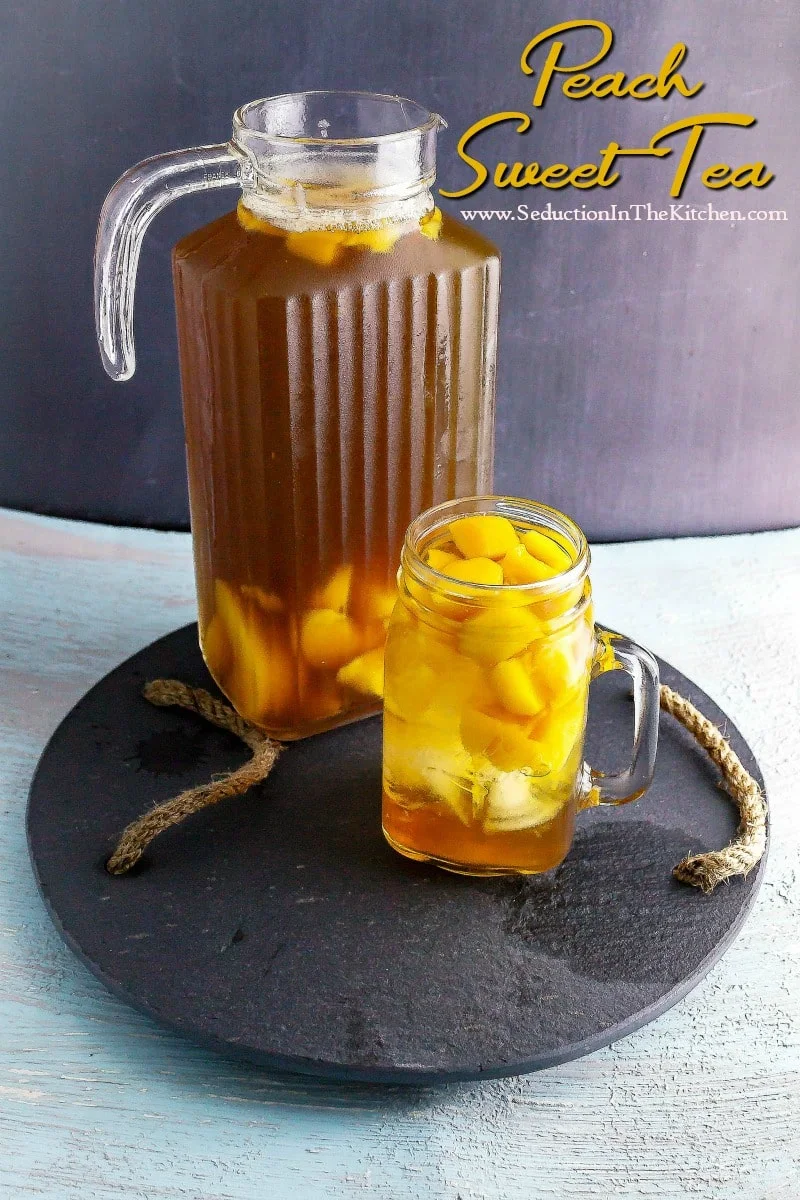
x,y
280,927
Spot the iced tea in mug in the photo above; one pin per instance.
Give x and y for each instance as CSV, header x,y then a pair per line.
x,y
337,342
490,652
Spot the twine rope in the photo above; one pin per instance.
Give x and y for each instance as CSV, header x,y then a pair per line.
x,y
704,871
166,693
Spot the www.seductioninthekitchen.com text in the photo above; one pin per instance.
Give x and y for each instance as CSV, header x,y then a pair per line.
x,y
677,211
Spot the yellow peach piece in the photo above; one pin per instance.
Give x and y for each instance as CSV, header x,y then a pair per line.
x,y
486,535
546,550
428,679
216,645
439,559
475,570
519,566
557,735
364,674
328,638
498,633
559,663
262,678
335,592
516,690
438,610
409,689
558,605
500,738
380,241
253,224
431,224
269,602
268,686
378,603
321,246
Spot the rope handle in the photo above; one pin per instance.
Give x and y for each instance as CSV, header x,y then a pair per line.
x,y
703,871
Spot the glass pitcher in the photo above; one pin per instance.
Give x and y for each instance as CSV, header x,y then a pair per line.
x,y
337,340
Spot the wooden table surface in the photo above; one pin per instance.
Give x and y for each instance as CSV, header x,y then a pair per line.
x,y
97,1102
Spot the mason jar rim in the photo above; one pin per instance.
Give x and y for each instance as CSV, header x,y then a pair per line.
x,y
426,524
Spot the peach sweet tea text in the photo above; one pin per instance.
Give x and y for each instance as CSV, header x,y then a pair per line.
x,y
558,68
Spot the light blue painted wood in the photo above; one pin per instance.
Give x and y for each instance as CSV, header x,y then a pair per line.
x,y
96,1102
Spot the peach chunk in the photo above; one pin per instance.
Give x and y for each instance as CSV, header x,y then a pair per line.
x,y
335,592
516,690
328,638
440,559
559,663
552,607
498,633
253,224
379,241
475,570
321,246
428,679
430,226
519,566
378,602
557,733
486,535
546,550
268,602
363,674
216,645
262,679
504,740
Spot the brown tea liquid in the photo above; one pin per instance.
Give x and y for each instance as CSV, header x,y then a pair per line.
x,y
331,392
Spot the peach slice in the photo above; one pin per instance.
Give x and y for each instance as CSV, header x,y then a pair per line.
x,y
363,674
378,603
519,566
322,246
546,550
516,690
335,592
253,224
262,678
440,559
557,735
379,241
503,739
486,535
475,570
430,226
328,638
498,633
269,602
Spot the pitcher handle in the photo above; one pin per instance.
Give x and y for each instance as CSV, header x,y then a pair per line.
x,y
613,652
135,199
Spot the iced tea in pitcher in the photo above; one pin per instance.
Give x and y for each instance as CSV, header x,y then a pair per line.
x,y
337,349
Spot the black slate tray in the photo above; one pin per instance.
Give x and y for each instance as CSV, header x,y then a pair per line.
x,y
279,927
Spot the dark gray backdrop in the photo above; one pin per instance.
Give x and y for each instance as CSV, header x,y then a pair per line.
x,y
647,371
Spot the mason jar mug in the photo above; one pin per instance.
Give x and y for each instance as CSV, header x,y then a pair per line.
x,y
491,648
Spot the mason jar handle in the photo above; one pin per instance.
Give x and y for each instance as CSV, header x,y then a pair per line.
x,y
617,653
135,199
